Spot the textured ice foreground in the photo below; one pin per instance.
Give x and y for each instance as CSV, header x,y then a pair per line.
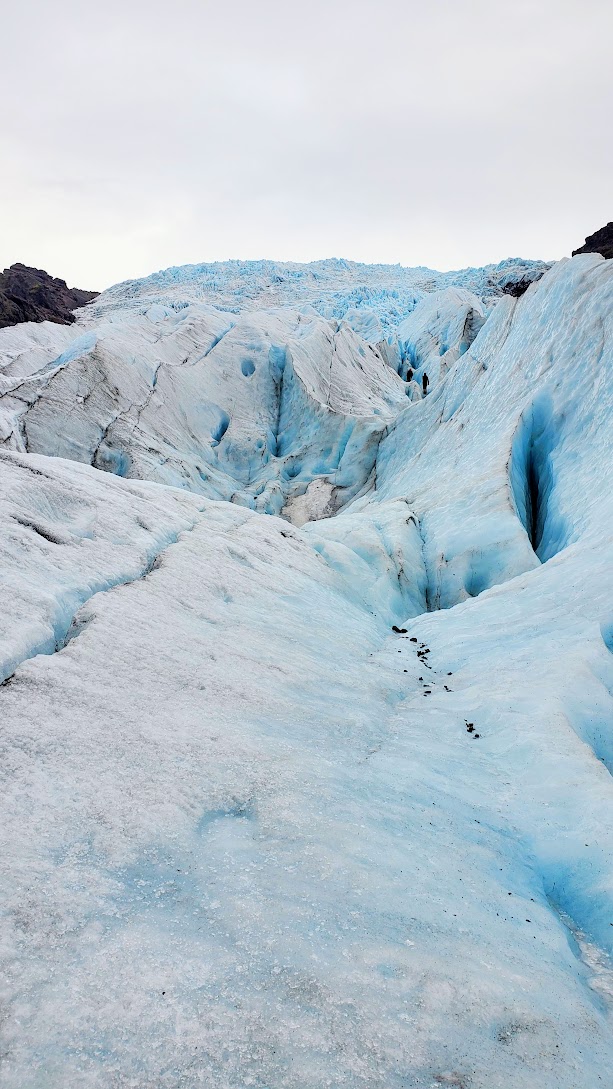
x,y
250,834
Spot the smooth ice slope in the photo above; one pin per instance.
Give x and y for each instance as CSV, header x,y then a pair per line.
x,y
252,836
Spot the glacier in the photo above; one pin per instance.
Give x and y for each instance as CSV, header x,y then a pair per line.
x,y
307,681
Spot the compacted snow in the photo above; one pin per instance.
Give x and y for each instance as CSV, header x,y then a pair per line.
x,y
253,835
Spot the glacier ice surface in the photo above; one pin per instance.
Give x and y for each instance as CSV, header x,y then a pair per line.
x,y
250,835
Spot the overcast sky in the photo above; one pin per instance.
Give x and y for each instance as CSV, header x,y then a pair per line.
x,y
137,134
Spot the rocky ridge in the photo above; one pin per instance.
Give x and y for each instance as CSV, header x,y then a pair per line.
x,y
599,242
30,294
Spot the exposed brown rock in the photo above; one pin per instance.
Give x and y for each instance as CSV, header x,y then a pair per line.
x,y
29,294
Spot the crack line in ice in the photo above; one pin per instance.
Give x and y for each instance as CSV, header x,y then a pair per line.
x,y
67,626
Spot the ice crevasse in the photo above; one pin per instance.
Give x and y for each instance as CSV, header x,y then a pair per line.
x,y
307,700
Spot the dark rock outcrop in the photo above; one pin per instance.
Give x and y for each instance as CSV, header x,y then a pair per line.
x,y
516,287
29,294
515,280
599,242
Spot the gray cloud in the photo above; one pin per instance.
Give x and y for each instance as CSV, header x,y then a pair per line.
x,y
143,134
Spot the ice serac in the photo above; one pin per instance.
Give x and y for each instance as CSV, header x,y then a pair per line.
x,y
335,289
438,331
249,408
198,378
307,702
493,461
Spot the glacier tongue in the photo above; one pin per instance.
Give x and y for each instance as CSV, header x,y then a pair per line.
x,y
252,835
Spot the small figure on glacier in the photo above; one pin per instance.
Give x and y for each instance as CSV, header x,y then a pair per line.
x,y
425,381
410,374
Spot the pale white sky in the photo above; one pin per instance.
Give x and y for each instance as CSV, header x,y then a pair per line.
x,y
137,134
